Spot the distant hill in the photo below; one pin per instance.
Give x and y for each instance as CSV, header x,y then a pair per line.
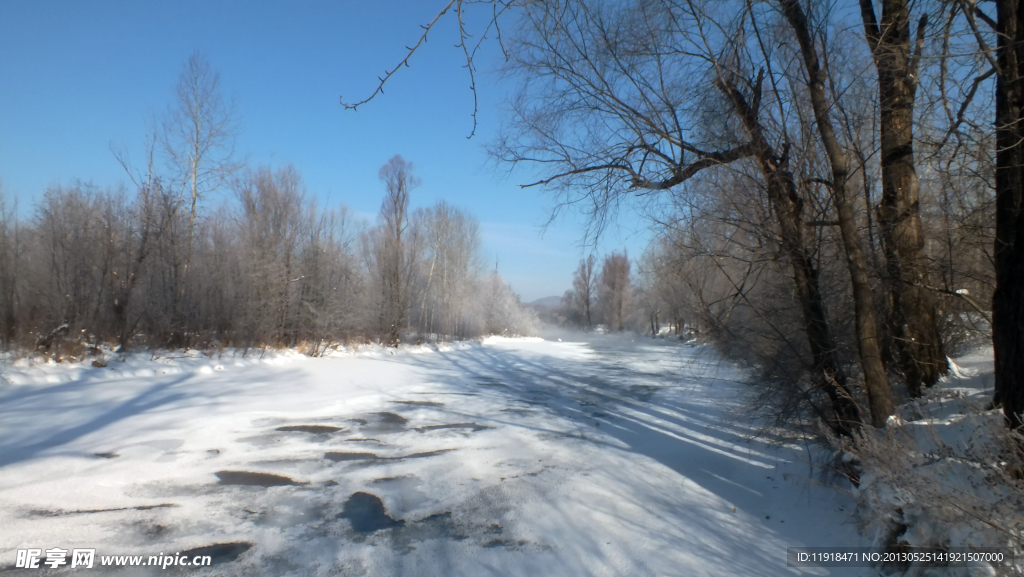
x,y
548,310
547,302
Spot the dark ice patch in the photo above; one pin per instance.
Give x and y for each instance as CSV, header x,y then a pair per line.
x,y
384,422
251,479
62,512
392,418
471,426
366,513
419,403
424,454
506,543
219,552
151,530
338,456
490,382
439,526
314,429
518,411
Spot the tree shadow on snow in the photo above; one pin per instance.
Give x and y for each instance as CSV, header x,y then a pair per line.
x,y
670,415
69,415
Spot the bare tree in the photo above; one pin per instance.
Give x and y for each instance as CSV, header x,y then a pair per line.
x,y
198,136
9,269
914,322
616,105
875,379
395,262
469,42
273,225
1007,59
584,287
331,291
614,289
452,242
149,223
994,50
646,292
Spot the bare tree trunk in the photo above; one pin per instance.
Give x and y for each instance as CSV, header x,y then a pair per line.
x,y
614,283
9,259
913,320
788,209
198,137
398,181
875,380
1008,299
583,285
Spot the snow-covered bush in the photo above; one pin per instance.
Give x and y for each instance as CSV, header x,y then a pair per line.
x,y
502,311
945,472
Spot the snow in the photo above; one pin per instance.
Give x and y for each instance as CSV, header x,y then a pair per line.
x,y
605,456
937,474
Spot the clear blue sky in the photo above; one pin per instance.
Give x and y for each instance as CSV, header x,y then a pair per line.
x,y
76,77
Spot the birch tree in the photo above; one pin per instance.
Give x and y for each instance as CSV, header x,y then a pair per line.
x,y
395,261
198,137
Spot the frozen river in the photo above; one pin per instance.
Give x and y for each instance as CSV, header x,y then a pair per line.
x,y
606,456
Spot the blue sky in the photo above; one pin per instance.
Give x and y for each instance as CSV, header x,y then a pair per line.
x,y
77,77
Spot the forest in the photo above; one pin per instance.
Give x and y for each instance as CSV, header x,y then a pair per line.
x,y
155,263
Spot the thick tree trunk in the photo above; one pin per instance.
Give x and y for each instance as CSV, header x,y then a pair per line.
x,y
875,380
1008,299
788,209
913,321
395,330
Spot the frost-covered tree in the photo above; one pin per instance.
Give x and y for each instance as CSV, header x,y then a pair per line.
x,y
393,259
450,269
504,313
613,289
198,138
584,290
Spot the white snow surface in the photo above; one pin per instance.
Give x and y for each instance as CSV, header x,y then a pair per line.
x,y
938,471
602,456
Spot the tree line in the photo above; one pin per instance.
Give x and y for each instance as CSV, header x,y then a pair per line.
x,y
151,264
599,297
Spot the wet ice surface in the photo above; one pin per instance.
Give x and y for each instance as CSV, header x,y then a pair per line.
x,y
610,456
248,478
365,514
315,429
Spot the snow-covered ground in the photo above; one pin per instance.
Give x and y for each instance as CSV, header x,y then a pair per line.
x,y
944,471
511,457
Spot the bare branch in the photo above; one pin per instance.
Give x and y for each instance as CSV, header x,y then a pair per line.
x,y
970,9
405,61
498,9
